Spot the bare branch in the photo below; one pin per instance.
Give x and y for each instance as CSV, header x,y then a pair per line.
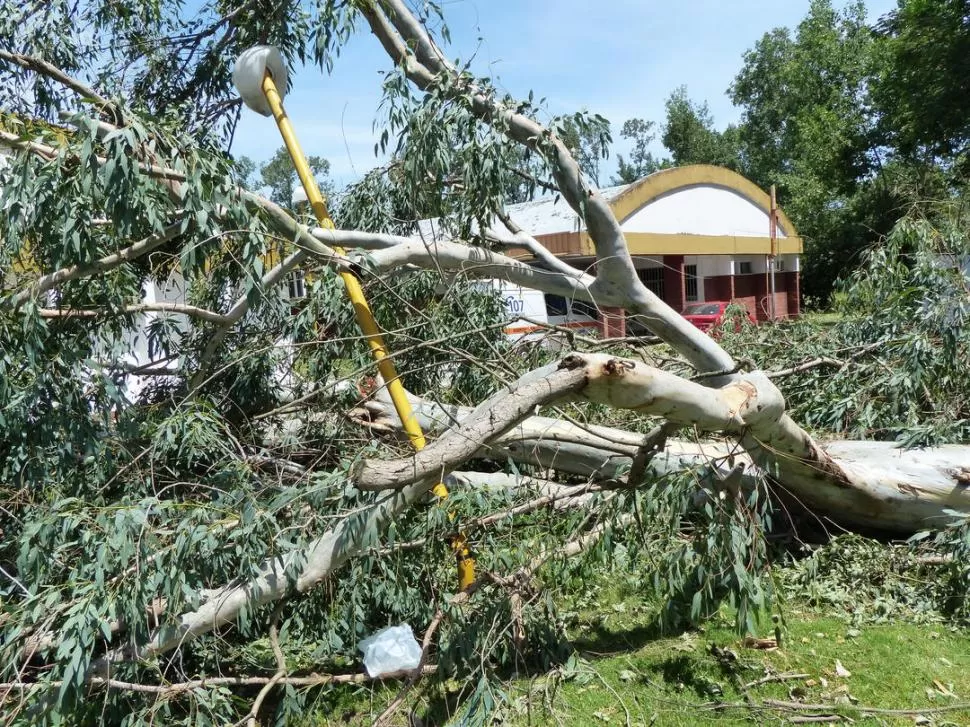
x,y
494,416
38,65
538,250
615,382
73,272
189,310
805,366
480,263
616,278
177,688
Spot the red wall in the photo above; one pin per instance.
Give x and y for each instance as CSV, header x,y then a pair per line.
x,y
719,287
612,322
752,291
791,284
674,281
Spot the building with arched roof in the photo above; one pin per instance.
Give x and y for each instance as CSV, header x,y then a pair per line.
x,y
695,233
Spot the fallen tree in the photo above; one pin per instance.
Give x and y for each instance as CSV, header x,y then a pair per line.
x,y
228,494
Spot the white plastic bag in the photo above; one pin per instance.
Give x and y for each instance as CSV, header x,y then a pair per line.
x,y
390,650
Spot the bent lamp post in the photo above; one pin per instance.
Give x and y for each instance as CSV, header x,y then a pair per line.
x,y
260,77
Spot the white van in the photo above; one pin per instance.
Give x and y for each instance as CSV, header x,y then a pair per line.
x,y
526,310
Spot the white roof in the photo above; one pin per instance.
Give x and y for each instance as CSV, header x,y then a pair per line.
x,y
543,216
552,213
693,200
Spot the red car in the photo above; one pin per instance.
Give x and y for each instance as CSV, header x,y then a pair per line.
x,y
708,314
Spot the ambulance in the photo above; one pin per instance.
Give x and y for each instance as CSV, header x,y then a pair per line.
x,y
530,314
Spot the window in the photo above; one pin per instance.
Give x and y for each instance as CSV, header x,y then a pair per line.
x,y
690,283
296,284
744,267
653,278
556,305
779,264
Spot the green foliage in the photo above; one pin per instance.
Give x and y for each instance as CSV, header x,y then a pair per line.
x,y
642,161
121,511
892,370
808,126
279,176
691,138
922,86
688,134
588,138
954,543
868,582
177,60
696,543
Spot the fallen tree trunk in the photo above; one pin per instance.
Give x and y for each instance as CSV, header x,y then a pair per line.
x,y
925,487
872,485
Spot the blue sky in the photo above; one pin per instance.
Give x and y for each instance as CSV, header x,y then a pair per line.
x,y
618,58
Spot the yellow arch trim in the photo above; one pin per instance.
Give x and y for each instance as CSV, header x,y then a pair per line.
x,y
665,181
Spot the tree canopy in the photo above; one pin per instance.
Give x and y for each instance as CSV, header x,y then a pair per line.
x,y
279,176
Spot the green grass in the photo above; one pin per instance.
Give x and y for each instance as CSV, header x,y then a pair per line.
x,y
630,675
624,672
826,318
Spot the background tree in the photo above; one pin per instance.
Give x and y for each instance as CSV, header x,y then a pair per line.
x,y
922,86
690,137
807,126
588,138
279,176
642,161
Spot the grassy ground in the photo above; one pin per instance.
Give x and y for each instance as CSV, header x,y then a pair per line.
x,y
624,673
627,676
822,318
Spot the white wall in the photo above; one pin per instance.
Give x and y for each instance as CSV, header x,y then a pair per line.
x,y
709,266
171,290
701,210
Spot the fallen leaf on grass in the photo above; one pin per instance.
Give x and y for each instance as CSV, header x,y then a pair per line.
x,y
942,689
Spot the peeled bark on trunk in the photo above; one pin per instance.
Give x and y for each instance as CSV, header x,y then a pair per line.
x,y
873,485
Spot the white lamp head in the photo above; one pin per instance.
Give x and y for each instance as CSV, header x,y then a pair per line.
x,y
248,75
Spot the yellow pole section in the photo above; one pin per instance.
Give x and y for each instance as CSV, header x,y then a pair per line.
x,y
365,318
